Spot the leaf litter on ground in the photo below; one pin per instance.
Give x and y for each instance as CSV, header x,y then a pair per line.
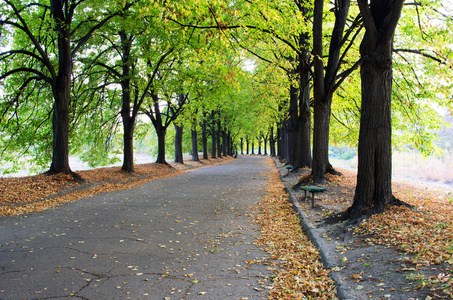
x,y
296,261
425,234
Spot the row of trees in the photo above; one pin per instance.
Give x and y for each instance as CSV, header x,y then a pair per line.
x,y
75,73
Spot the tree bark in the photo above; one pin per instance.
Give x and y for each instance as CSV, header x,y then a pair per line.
x,y
374,178
194,146
225,143
323,85
214,141
128,120
178,143
219,144
161,132
213,136
302,153
272,142
242,146
247,145
61,89
128,146
259,146
230,144
280,142
204,138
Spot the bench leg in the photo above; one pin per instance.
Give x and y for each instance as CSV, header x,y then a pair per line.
x,y
305,197
312,199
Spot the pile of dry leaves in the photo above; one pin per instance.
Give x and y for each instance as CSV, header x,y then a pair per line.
x,y
300,273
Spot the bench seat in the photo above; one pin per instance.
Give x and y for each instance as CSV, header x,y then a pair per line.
x,y
312,189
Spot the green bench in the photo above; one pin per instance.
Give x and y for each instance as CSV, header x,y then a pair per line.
x,y
313,190
289,168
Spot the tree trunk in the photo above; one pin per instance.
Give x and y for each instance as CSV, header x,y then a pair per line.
x,y
259,146
253,147
195,146
280,142
60,121
247,145
128,120
161,132
61,91
272,142
214,141
292,126
302,151
225,143
242,146
265,146
323,86
178,143
128,140
219,144
374,178
204,138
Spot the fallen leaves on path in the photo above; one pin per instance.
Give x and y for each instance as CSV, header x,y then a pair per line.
x,y
300,274
21,195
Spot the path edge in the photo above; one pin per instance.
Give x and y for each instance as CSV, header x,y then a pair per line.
x,y
344,291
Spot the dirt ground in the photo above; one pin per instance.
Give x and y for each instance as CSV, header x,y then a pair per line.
x,y
370,271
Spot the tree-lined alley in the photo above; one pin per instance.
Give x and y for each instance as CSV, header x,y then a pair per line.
x,y
88,78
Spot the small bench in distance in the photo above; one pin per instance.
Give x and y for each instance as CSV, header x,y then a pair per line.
x,y
313,190
289,168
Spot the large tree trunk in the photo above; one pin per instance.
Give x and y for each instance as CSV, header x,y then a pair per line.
x,y
374,178
61,90
128,140
60,121
323,85
178,143
302,152
195,146
204,138
128,120
160,132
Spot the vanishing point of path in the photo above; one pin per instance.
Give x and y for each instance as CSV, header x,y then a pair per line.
x,y
182,237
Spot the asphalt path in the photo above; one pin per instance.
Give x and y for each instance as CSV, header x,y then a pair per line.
x,y
183,237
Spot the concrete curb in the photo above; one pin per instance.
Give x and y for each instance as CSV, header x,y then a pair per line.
x,y
343,290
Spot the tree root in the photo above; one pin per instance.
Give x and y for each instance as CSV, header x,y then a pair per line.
x,y
74,175
354,221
